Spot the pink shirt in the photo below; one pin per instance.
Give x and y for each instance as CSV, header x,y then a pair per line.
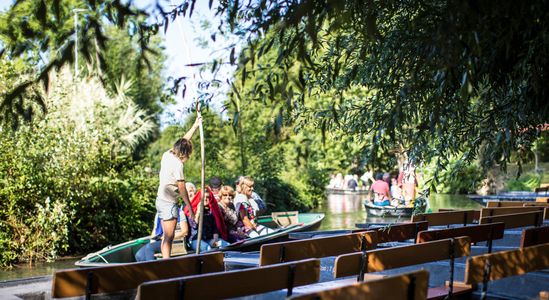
x,y
381,187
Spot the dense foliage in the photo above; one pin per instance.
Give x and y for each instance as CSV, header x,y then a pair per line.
x,y
69,184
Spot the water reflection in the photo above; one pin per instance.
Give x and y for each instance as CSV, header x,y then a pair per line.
x,y
344,211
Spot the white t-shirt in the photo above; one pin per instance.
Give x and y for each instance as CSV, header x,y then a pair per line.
x,y
171,171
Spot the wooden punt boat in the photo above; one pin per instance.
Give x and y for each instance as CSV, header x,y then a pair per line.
x,y
338,191
387,211
284,224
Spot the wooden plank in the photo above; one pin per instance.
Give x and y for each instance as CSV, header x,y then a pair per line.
x,y
232,284
315,248
507,263
109,279
492,203
477,233
498,211
534,236
390,287
476,214
542,199
534,218
285,218
446,218
400,232
396,257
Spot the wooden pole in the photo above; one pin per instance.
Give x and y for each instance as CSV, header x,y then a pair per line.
x,y
202,181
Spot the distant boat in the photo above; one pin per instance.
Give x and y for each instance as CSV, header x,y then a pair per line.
x,y
511,196
125,252
341,191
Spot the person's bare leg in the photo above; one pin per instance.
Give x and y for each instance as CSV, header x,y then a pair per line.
x,y
167,238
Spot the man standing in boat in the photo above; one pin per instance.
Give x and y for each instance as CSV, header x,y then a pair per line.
x,y
172,186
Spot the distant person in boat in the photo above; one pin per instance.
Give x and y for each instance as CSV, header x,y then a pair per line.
x,y
352,183
367,178
407,181
380,189
215,184
172,186
235,227
214,231
245,209
147,252
396,192
339,181
331,184
257,202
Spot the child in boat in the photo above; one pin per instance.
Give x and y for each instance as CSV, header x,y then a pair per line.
x,y
382,194
244,207
214,231
235,227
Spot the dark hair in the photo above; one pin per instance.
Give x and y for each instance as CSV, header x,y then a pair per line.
x,y
215,182
379,176
182,148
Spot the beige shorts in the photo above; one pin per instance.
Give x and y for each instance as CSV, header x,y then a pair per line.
x,y
167,210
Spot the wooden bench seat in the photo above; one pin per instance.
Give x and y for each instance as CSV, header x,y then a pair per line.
x,y
503,203
447,217
495,266
233,284
476,233
402,256
316,248
412,285
534,236
116,278
525,219
400,232
498,211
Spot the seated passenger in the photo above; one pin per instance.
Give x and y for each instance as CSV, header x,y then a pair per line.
x,y
245,209
382,194
256,202
396,193
147,252
213,226
235,227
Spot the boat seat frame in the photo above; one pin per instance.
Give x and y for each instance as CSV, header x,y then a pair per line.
x,y
534,218
410,285
446,218
534,236
498,211
276,253
476,233
116,278
395,257
234,284
493,266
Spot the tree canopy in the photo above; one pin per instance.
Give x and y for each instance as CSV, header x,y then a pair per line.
x,y
442,78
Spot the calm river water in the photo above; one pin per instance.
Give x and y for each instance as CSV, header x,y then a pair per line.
x,y
342,211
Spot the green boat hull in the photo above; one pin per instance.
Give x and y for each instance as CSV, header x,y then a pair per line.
x,y
125,252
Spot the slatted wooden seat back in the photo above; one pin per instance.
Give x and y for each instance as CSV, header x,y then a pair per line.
x,y
446,218
498,211
400,232
316,248
534,218
476,213
534,236
476,233
233,284
411,285
110,279
402,256
494,266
